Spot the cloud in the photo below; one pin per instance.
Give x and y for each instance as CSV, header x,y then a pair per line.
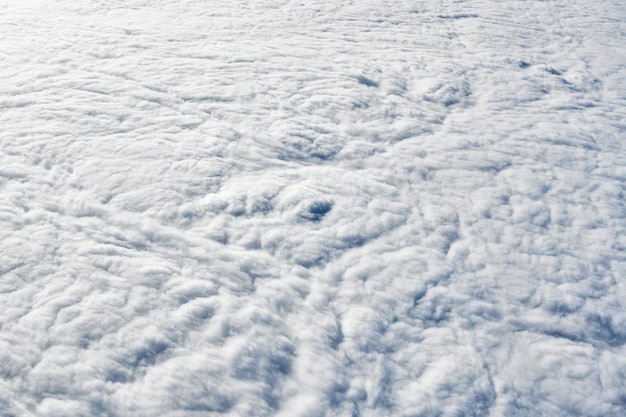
x,y
312,209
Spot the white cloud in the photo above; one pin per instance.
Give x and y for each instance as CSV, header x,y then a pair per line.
x,y
263,208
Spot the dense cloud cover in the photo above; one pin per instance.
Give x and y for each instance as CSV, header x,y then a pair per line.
x,y
284,208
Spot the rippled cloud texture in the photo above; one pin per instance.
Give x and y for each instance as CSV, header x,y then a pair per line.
x,y
284,208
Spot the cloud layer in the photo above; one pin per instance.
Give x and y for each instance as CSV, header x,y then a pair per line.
x,y
310,208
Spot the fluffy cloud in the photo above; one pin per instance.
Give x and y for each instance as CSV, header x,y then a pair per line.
x,y
263,208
